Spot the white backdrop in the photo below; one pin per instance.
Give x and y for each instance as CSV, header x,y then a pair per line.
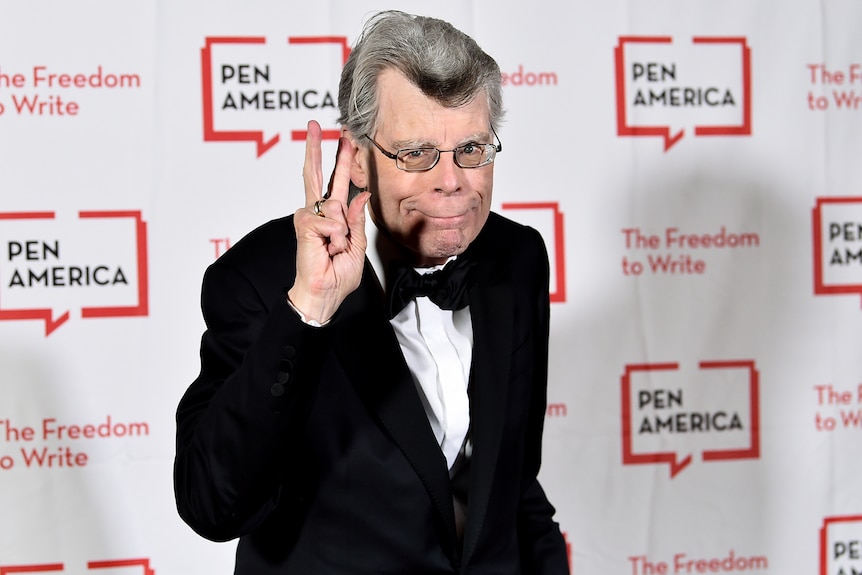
x,y
693,167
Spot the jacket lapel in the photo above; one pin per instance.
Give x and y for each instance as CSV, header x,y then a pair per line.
x,y
491,311
370,353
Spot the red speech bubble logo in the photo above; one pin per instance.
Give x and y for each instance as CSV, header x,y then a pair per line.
x,y
558,293
841,543
212,134
837,238
47,315
672,458
677,98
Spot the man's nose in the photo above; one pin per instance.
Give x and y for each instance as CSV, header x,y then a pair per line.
x,y
449,174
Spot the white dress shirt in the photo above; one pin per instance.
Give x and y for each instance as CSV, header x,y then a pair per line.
x,y
438,347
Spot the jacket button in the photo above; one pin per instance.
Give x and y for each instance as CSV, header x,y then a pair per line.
x,y
289,351
282,377
277,390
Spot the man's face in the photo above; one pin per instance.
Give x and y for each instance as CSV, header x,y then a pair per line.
x,y
437,213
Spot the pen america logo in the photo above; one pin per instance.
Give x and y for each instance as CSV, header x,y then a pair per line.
x,y
669,411
837,238
109,567
841,545
51,264
256,90
665,87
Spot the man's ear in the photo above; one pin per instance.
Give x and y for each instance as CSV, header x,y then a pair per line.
x,y
359,163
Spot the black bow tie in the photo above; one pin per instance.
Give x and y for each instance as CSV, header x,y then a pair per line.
x,y
446,287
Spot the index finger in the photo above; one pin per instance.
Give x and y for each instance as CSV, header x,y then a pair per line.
x,y
312,169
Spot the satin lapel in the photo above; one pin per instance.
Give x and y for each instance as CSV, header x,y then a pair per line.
x,y
371,356
491,312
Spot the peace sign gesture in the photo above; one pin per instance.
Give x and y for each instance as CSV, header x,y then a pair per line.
x,y
330,235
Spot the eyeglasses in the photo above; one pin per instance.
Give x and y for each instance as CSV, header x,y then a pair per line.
x,y
470,155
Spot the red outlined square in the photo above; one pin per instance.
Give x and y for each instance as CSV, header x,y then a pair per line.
x,y
256,136
558,292
625,125
47,314
821,286
672,458
829,523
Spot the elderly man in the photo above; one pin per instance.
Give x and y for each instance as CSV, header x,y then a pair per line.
x,y
372,388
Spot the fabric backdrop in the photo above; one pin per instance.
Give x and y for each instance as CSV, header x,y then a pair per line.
x,y
694,168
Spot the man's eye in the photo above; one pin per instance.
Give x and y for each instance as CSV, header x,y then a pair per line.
x,y
414,154
470,149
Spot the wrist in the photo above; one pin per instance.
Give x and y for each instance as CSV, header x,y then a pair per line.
x,y
302,307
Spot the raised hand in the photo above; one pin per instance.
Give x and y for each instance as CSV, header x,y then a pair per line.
x,y
330,235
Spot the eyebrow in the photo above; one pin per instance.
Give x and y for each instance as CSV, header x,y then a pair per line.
x,y
407,144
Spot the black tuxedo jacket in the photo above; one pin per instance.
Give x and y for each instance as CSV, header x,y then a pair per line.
x,y
312,446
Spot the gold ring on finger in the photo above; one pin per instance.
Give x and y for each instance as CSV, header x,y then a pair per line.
x,y
317,208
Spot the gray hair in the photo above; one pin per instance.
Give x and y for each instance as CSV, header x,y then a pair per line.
x,y
443,62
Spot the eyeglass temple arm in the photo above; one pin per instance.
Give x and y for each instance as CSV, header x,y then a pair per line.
x,y
499,145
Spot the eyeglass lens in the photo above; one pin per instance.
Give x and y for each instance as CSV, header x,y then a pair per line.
x,y
467,156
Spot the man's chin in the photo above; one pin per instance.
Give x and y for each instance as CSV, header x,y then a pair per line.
x,y
441,248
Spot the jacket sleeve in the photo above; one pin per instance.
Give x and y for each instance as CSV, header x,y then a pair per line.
x,y
236,420
543,549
